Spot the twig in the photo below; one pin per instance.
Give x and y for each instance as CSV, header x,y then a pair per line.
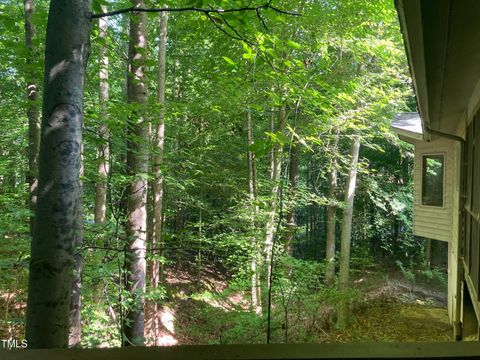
x,y
193,8
262,20
243,37
222,29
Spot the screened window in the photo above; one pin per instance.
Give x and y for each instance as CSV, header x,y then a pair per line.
x,y
432,183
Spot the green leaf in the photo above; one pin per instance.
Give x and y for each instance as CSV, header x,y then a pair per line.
x,y
249,56
97,6
229,61
260,147
294,44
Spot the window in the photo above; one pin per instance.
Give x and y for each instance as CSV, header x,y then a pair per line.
x,y
432,180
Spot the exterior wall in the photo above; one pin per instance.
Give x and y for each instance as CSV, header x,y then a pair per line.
x,y
430,221
441,223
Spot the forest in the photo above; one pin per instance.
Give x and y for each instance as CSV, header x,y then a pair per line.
x,y
208,172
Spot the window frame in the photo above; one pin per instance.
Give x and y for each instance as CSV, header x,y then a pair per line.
x,y
422,177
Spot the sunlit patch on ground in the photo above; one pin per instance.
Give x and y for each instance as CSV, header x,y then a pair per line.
x,y
167,319
386,320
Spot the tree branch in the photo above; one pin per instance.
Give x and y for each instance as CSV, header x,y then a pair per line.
x,y
193,8
222,29
261,19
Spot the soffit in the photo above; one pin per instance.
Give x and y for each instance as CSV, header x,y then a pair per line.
x,y
442,38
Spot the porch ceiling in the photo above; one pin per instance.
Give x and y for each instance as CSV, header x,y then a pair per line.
x,y
442,39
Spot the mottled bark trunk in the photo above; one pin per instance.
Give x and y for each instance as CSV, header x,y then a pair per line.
x,y
291,216
157,170
331,216
137,167
59,189
252,192
33,113
344,275
103,150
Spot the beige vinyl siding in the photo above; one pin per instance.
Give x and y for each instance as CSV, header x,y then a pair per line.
x,y
431,221
440,223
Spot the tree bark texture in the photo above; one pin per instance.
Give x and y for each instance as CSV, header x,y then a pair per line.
x,y
59,188
344,274
252,192
103,151
331,216
33,113
157,169
137,167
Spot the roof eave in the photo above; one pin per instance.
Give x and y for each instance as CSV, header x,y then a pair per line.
x,y
416,64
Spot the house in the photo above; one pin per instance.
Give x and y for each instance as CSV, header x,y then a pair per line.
x,y
442,41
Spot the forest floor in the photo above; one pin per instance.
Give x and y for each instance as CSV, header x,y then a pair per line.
x,y
204,310
387,309
396,311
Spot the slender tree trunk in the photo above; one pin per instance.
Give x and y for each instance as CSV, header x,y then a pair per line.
x,y
32,110
137,167
103,151
252,192
428,253
331,216
275,172
291,216
344,276
157,170
307,222
59,188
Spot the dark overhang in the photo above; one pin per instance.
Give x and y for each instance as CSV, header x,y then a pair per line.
x,y
442,39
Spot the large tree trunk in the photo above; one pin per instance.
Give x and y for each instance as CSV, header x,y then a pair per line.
x,y
331,216
59,189
252,192
157,244
32,110
137,167
103,150
343,281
